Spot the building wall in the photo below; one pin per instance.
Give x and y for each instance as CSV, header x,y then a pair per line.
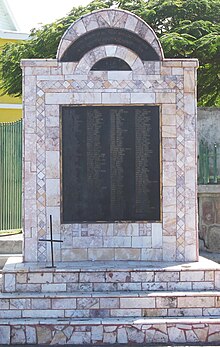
x,y
10,113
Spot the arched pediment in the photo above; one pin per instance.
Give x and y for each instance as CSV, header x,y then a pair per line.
x,y
109,27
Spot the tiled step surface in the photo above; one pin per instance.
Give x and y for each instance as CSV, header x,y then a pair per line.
x,y
110,331
110,276
107,305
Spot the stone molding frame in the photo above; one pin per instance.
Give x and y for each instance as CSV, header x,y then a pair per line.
x,y
109,18
169,83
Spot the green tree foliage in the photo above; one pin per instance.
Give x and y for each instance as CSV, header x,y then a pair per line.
x,y
186,28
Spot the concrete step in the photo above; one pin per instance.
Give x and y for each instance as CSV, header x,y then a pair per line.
x,y
4,258
108,305
102,331
11,244
110,276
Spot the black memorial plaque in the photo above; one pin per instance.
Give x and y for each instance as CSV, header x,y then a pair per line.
x,y
110,163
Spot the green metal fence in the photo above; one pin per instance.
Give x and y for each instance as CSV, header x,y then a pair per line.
x,y
209,163
10,175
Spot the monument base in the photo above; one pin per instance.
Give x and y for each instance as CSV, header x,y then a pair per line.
x,y
110,276
110,302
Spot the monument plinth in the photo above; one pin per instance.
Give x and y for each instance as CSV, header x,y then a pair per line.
x,y
110,153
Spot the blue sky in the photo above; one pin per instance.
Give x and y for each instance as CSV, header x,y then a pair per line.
x,y
30,13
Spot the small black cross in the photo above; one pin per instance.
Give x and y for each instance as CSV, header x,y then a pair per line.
x,y
51,241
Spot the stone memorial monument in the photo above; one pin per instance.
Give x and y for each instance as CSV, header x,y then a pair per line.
x,y
110,154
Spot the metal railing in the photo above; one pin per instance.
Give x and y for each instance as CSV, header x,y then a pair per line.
x,y
209,163
10,175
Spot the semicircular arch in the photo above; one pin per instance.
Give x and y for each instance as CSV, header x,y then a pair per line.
x,y
105,27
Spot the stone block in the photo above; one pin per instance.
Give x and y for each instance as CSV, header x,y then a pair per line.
x,y
141,241
157,237
54,287
151,254
168,131
41,304
122,335
118,276
52,164
142,276
127,253
109,302
189,103
167,276
169,174
180,286
154,286
184,312
65,277
166,71
189,81
42,277
128,286
44,334
117,241
143,98
177,71
4,304
154,312
31,337
75,254
202,285
169,199
192,276
101,254
131,312
77,313
18,335
20,304
92,277
9,282
121,76
169,248
169,223
166,302
97,333
209,275
63,304
172,63
52,139
68,68
116,98
87,303
52,192
125,229
20,288
137,302
196,302
166,98
11,314
169,119
43,313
